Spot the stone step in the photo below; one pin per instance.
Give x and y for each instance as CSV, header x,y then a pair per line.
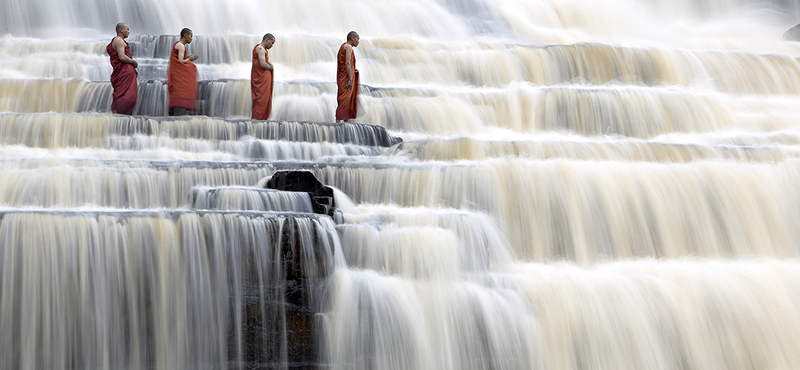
x,y
250,198
51,130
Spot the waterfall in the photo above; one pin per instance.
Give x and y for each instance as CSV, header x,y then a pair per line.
x,y
148,289
529,184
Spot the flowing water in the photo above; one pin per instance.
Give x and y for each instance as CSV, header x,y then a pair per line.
x,y
582,185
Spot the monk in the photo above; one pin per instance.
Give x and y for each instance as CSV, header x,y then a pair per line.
x,y
261,79
123,76
347,79
182,76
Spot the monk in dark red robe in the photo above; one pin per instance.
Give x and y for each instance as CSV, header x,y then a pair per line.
x,y
182,76
347,79
261,79
123,76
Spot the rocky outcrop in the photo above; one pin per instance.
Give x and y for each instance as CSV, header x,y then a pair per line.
x,y
321,196
793,34
284,332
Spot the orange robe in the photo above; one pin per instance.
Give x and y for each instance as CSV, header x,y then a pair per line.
x,y
261,84
348,99
123,80
181,81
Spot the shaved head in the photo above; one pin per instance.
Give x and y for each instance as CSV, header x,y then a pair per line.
x,y
268,37
120,27
352,35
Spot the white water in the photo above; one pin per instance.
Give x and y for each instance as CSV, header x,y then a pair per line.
x,y
583,185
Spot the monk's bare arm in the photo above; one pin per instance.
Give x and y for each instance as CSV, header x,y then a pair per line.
x,y
347,56
119,46
262,58
182,54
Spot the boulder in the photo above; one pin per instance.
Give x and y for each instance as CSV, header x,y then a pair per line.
x,y
322,200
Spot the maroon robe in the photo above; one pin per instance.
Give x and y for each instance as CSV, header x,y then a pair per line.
x,y
123,80
181,81
261,84
348,99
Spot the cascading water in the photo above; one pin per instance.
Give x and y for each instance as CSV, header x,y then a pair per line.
x,y
582,185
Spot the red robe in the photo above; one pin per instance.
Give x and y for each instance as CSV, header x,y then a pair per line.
x,y
261,84
123,80
348,99
181,81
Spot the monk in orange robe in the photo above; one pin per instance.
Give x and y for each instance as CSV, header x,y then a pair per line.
x,y
347,79
182,76
123,76
261,79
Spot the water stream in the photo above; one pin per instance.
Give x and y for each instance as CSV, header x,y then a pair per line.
x,y
582,185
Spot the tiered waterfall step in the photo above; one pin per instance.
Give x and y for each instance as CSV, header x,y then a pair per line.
x,y
231,288
187,138
426,62
250,198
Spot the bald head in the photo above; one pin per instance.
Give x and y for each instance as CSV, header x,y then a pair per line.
x,y
123,30
353,38
267,41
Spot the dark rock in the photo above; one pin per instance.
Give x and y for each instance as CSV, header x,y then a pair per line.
x,y
279,324
793,34
302,181
394,140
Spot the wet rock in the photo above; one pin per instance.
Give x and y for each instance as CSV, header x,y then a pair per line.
x,y
279,322
321,196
